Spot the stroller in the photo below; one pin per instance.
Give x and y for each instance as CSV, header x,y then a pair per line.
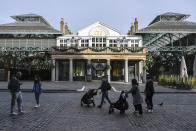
x,y
121,104
88,97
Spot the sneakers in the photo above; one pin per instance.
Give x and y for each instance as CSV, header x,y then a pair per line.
x,y
139,115
38,105
21,112
150,110
13,113
136,112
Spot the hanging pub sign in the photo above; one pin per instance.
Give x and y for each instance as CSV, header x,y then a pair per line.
x,y
99,66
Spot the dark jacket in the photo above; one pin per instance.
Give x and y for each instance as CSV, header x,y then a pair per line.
x,y
105,86
149,90
14,84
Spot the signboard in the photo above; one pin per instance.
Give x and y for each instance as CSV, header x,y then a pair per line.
x,y
98,32
99,66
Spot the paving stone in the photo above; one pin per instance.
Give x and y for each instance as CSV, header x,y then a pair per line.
x,y
66,85
62,111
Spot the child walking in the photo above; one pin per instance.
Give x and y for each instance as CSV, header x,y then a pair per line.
x,y
37,88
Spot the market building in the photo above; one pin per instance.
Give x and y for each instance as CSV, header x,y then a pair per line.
x,y
98,50
173,34
25,45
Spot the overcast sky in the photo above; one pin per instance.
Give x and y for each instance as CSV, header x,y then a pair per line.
x,y
81,13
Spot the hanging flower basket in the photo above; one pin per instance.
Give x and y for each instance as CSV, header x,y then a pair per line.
x,y
116,49
98,49
146,67
109,67
134,49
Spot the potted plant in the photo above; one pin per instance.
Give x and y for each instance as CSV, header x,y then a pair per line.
x,y
146,67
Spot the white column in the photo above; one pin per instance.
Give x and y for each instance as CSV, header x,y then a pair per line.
x,y
53,71
107,42
136,71
70,69
79,42
57,70
89,70
140,71
108,70
90,42
126,71
144,73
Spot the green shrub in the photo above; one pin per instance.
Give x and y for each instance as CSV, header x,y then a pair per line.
x,y
174,80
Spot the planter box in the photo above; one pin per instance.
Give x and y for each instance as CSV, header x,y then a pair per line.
x,y
162,83
79,78
184,87
175,85
3,75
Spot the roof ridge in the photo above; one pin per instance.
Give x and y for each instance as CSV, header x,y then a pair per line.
x,y
109,27
20,24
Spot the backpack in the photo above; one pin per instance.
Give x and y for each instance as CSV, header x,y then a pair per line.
x,y
14,85
108,86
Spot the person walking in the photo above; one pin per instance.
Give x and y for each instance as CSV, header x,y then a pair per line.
x,y
15,91
149,91
37,88
105,86
137,98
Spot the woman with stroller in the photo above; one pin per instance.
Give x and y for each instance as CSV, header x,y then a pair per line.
x,y
149,91
105,86
37,87
137,98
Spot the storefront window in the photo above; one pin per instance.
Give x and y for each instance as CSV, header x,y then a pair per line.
x,y
79,70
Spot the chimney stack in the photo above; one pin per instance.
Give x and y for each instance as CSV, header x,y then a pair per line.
x,y
67,31
132,29
62,25
136,24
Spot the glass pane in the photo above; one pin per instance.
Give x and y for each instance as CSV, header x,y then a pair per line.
x,y
93,39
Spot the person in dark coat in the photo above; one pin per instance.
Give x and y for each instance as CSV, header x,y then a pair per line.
x,y
105,86
137,98
149,91
37,88
16,94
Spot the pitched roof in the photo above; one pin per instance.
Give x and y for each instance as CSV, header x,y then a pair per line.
x,y
20,17
28,27
169,16
98,22
25,15
170,27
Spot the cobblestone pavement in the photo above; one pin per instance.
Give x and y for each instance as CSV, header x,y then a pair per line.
x,y
95,84
62,112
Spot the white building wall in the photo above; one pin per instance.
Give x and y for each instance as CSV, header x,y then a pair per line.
x,y
98,25
107,32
